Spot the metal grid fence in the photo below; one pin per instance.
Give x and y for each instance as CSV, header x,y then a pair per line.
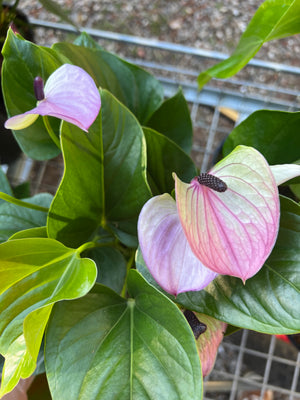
x,y
249,365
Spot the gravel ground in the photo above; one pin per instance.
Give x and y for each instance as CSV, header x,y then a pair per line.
x,y
212,25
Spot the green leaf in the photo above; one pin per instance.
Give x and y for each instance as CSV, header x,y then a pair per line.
x,y
14,218
163,158
34,274
275,135
274,19
111,266
103,346
86,40
23,61
173,120
56,9
22,190
40,232
268,302
134,87
104,177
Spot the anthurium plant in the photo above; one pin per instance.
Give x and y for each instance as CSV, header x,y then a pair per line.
x,y
123,284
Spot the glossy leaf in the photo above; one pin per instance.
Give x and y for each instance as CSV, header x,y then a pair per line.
x,y
111,266
134,87
232,232
14,218
23,61
275,19
104,175
40,232
103,346
34,274
268,302
163,158
275,135
173,120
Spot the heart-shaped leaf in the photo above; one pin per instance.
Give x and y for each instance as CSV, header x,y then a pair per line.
x,y
34,274
104,346
103,170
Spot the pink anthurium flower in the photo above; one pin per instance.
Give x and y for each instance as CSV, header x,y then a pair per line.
x,y
233,231
166,250
225,222
70,94
209,342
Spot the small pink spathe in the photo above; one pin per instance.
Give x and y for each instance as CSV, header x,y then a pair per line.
x,y
165,248
233,232
70,95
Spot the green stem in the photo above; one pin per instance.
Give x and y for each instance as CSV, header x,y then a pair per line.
x,y
50,131
86,246
129,266
22,203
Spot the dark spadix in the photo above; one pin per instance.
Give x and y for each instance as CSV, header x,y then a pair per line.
x,y
38,85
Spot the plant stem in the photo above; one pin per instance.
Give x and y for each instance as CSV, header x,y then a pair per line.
x,y
129,266
21,203
86,246
50,131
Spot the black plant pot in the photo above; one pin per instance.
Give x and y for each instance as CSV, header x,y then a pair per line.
x,y
9,148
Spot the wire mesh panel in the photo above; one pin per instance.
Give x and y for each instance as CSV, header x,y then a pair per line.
x,y
249,365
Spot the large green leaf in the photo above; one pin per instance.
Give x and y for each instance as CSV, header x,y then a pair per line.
x,y
34,274
23,61
173,120
105,178
133,86
268,302
14,218
275,19
164,157
105,347
273,133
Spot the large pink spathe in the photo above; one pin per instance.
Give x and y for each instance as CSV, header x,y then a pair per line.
x,y
70,95
232,232
165,248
